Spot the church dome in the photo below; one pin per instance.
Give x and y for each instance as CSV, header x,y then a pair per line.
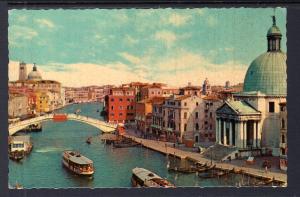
x,y
34,74
267,73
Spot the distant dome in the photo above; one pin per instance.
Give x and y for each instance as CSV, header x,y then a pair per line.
x,y
267,74
34,74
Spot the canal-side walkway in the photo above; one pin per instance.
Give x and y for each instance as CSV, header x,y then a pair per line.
x,y
196,157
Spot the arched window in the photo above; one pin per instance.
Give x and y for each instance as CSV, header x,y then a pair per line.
x,y
197,126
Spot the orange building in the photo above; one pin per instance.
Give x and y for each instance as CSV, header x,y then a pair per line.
x,y
120,105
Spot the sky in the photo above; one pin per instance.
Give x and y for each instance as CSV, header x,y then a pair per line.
x,y
173,46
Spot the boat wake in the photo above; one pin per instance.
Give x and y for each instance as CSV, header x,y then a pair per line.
x,y
50,149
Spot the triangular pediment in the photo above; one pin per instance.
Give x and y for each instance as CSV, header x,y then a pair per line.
x,y
226,109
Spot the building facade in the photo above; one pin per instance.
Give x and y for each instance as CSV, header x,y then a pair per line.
x,y
120,105
17,105
283,137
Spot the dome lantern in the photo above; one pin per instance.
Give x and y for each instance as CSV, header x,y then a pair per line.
x,y
274,37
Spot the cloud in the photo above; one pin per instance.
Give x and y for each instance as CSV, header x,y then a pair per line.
x,y
211,21
200,12
45,23
130,40
17,32
228,49
185,66
178,19
131,58
167,37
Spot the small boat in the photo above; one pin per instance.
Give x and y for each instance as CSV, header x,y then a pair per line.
x,y
97,110
77,163
19,146
16,155
142,177
212,174
203,169
125,144
89,140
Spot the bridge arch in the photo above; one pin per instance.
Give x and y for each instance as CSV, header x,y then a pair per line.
x,y
101,125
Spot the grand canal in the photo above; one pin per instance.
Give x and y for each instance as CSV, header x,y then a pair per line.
x,y
43,168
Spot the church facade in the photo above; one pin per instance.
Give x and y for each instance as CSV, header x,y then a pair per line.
x,y
251,120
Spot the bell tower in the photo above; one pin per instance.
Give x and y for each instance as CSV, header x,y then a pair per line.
x,y
22,71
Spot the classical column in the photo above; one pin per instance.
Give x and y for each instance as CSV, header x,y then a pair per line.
x,y
245,134
224,133
258,128
237,134
217,132
254,144
220,130
230,133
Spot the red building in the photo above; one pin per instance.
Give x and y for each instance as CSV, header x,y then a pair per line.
x,y
120,105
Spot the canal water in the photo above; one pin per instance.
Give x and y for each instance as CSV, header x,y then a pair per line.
x,y
43,168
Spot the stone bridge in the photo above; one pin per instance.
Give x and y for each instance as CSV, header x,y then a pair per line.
x,y
103,126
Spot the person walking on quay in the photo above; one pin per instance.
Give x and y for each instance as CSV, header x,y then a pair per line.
x,y
266,169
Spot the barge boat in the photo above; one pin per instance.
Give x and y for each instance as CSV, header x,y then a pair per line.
x,y
144,178
77,163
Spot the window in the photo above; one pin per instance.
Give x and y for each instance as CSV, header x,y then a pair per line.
x,y
196,115
210,127
112,107
128,99
197,126
112,114
120,114
205,122
282,123
197,103
120,107
112,100
185,104
271,107
210,114
185,127
282,139
120,99
185,115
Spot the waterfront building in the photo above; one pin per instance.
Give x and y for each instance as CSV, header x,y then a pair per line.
x,y
206,88
42,102
54,100
120,105
181,117
207,113
17,105
22,71
143,115
283,136
250,121
190,90
157,119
